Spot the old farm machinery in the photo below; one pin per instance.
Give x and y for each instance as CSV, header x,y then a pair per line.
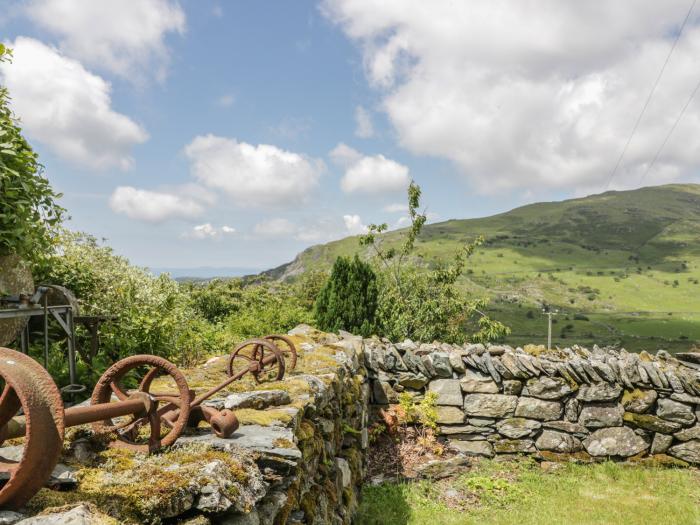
x,y
142,402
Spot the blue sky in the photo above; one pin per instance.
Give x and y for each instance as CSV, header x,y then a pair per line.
x,y
235,134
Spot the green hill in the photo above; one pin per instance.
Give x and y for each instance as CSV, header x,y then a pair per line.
x,y
622,267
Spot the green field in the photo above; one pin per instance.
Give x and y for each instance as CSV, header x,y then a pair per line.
x,y
620,267
524,493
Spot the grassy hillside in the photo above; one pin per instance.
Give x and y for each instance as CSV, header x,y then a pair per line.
x,y
621,267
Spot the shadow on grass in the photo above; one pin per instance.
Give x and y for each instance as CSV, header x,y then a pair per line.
x,y
384,504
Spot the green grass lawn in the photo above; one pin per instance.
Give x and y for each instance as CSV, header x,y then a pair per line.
x,y
523,493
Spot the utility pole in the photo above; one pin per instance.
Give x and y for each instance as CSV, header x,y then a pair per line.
x,y
549,315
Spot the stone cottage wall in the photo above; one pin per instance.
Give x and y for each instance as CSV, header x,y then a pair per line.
x,y
587,403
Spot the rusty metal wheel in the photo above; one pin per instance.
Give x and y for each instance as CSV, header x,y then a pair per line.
x,y
259,356
132,377
288,349
25,468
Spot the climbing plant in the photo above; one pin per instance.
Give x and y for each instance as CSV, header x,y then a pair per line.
x,y
29,213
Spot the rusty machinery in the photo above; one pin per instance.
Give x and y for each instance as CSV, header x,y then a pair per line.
x,y
123,405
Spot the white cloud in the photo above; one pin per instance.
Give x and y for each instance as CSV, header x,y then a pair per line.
x,y
353,224
153,206
344,155
69,109
252,175
363,123
207,231
124,37
275,228
225,101
322,229
520,95
368,174
396,208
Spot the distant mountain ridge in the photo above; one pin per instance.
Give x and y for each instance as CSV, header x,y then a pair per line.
x,y
598,257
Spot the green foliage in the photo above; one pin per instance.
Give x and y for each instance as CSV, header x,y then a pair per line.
x,y
348,301
29,214
423,412
239,310
426,304
148,314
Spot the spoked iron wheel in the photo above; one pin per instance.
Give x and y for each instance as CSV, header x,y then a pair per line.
x,y
289,351
28,388
258,356
160,426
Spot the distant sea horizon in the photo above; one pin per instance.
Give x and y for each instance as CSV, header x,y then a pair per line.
x,y
206,272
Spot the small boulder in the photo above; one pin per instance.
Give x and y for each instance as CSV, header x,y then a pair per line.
x,y
599,392
490,405
661,443
259,399
554,441
517,427
534,408
675,411
514,446
688,433
616,441
638,401
478,383
651,423
601,415
473,448
546,387
448,391
688,451
450,415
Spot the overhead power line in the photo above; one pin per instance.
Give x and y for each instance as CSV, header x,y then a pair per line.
x,y
651,93
670,132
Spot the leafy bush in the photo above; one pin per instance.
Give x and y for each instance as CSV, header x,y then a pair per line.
x,y
149,314
423,304
348,301
29,214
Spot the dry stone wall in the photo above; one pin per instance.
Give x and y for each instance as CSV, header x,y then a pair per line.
x,y
570,402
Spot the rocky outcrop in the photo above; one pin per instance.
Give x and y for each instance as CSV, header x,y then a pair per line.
x,y
574,402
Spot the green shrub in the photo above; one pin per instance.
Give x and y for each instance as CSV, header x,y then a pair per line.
x,y
29,214
348,301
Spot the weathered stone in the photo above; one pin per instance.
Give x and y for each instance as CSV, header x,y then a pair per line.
x,y
413,381
661,443
259,399
599,392
392,360
490,405
638,401
478,383
214,495
344,469
686,398
448,391
449,415
688,451
481,421
675,411
651,423
688,433
8,517
517,427
558,442
512,387
444,468
534,408
473,448
415,363
441,364
547,388
383,393
567,426
572,409
456,361
514,446
80,515
463,430
616,441
601,415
